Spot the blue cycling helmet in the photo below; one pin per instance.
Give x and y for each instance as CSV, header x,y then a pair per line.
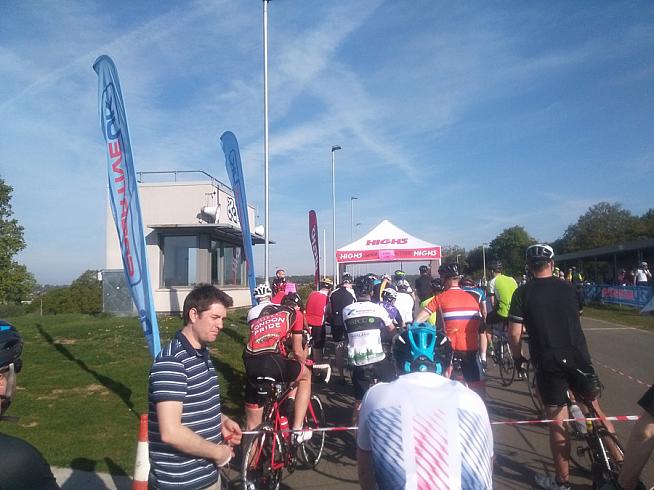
x,y
422,348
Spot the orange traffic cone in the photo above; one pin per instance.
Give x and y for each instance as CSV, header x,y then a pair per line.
x,y
142,464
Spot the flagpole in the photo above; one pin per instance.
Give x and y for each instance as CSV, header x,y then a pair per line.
x,y
265,138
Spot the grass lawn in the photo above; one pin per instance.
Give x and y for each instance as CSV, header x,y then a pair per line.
x,y
620,315
84,384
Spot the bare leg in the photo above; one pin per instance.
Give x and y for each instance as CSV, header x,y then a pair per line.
x,y
302,398
559,442
339,360
639,449
253,416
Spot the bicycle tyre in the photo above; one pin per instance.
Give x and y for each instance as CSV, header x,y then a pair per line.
x,y
530,379
311,450
601,474
256,467
507,367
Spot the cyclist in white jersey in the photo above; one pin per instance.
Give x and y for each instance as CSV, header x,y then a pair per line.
x,y
423,430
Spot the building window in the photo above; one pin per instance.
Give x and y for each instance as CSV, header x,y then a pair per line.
x,y
180,261
227,265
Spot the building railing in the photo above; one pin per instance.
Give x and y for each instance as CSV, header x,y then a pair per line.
x,y
175,173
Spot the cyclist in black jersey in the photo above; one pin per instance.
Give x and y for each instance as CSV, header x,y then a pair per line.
x,y
21,465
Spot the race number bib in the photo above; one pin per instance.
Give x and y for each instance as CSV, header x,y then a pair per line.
x,y
364,347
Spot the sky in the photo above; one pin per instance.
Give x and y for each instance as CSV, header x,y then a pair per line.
x,y
456,120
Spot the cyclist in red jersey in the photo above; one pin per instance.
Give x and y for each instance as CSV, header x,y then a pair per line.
x,y
459,313
315,315
266,355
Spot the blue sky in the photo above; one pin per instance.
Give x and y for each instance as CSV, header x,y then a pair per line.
x,y
457,119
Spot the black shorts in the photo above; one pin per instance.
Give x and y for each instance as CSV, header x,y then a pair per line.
x,y
271,365
470,365
554,380
364,376
338,333
317,336
647,401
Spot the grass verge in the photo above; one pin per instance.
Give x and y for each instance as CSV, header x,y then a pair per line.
x,y
620,315
84,383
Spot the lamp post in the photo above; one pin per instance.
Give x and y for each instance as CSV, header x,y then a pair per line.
x,y
334,148
352,199
265,140
457,258
483,258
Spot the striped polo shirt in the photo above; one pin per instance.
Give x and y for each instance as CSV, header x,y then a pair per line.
x,y
182,373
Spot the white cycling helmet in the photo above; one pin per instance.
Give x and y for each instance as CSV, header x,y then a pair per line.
x,y
389,294
262,291
539,252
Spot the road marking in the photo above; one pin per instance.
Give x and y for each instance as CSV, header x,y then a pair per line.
x,y
622,374
610,328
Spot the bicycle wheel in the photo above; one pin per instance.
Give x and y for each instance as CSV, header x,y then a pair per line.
x,y
507,368
605,468
530,379
256,470
311,450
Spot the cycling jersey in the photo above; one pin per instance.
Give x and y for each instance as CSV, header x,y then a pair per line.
x,y
393,313
432,316
460,317
502,287
405,303
366,326
270,326
315,310
423,287
425,431
23,466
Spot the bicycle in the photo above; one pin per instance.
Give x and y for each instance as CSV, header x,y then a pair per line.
x,y
527,372
502,356
272,449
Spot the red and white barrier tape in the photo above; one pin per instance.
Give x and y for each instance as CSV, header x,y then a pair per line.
x,y
619,418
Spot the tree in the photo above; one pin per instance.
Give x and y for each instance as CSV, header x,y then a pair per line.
x,y
450,253
604,224
86,292
509,247
16,282
647,223
475,261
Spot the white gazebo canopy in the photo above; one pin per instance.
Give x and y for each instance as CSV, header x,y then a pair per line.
x,y
388,243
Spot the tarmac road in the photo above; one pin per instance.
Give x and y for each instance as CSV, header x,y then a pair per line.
x,y
622,356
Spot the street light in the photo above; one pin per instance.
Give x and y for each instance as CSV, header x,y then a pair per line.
x,y
352,199
457,258
334,148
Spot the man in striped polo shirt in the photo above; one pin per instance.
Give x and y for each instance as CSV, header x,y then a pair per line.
x,y
189,437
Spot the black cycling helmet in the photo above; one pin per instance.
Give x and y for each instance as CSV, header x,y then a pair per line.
x,y
423,269
436,284
468,281
539,252
292,300
422,348
11,346
495,265
346,278
446,271
363,286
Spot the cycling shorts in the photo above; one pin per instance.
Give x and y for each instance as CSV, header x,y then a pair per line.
x,y
470,365
317,336
554,381
270,365
363,377
647,401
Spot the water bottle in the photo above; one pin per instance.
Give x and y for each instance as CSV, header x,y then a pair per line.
x,y
283,426
576,413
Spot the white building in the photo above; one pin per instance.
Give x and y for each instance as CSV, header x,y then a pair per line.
x,y
192,235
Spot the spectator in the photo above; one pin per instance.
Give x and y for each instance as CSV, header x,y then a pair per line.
x,y
620,280
643,275
189,437
279,283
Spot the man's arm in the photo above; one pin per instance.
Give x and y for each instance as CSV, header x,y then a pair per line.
x,y
184,439
366,470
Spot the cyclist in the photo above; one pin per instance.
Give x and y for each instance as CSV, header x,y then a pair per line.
x,y
467,284
405,301
423,430
379,287
369,335
400,275
548,308
436,289
423,283
272,327
500,291
315,315
388,302
21,465
279,283
460,315
339,299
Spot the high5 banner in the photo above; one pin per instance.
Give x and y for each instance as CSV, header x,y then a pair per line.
x,y
235,173
124,198
313,239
